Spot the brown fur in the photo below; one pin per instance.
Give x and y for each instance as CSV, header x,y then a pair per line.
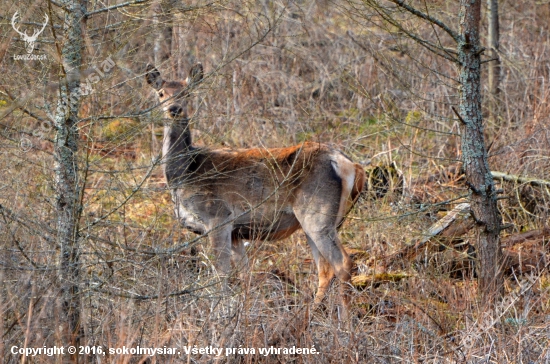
x,y
257,193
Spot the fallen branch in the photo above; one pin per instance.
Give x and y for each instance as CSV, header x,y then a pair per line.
x,y
521,180
537,234
455,170
461,210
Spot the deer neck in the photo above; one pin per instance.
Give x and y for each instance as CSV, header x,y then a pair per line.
x,y
177,151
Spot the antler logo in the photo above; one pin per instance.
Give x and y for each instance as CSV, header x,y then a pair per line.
x,y
29,41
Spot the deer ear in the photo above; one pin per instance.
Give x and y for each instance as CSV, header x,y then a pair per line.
x,y
153,78
195,74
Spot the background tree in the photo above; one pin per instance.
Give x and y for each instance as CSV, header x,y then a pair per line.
x,y
493,70
483,193
277,74
66,183
467,57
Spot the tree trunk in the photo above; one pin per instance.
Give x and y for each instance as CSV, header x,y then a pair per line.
x,y
163,34
179,45
494,65
474,155
157,51
66,169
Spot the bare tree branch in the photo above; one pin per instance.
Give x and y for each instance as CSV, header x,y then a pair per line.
x,y
434,48
427,17
117,6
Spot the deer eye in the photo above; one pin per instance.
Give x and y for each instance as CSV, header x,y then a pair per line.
x,y
161,93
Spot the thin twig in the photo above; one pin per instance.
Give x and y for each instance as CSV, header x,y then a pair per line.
x,y
109,8
458,115
490,60
427,17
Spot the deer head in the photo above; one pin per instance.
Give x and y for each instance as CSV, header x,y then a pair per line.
x,y
173,94
29,41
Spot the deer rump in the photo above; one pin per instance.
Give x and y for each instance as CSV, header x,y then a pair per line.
x,y
257,191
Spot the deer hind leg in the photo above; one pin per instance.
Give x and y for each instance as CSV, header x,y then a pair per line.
x,y
324,271
320,206
319,224
333,255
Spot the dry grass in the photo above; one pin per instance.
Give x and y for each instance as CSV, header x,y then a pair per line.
x,y
307,80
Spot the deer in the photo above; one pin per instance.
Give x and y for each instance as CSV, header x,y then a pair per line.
x,y
29,40
237,195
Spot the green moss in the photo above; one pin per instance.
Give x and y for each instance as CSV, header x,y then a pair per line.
x,y
351,122
544,283
413,117
118,128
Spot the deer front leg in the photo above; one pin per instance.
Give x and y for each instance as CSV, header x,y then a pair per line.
x,y
221,245
239,259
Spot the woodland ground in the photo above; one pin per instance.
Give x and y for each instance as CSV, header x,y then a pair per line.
x,y
375,97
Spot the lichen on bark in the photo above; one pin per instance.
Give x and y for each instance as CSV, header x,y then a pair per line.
x,y
474,155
